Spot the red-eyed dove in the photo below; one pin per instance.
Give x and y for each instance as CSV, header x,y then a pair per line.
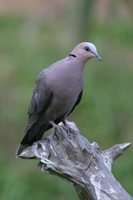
x,y
57,91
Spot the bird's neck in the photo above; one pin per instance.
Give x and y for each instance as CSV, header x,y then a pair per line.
x,y
72,55
77,58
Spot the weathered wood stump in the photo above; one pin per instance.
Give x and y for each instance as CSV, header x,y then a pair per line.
x,y
67,154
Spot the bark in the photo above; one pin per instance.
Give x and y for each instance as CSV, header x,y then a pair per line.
x,y
67,154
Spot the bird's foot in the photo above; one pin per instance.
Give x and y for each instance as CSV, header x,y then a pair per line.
x,y
65,122
66,126
56,128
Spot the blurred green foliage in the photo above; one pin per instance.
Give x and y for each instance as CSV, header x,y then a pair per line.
x,y
105,114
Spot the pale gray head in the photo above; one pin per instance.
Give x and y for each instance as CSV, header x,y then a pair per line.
x,y
85,51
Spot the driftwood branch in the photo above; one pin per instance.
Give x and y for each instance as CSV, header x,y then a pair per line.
x,y
69,155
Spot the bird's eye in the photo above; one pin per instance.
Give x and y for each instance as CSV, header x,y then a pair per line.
x,y
87,48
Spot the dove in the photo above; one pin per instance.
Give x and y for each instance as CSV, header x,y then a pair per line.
x,y
58,90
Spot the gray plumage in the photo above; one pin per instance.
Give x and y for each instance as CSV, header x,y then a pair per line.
x,y
57,91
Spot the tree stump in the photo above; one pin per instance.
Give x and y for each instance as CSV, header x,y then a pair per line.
x,y
69,155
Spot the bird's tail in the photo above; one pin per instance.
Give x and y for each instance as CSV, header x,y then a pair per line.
x,y
30,137
20,150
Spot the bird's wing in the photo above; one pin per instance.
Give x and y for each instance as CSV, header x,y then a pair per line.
x,y
40,101
78,101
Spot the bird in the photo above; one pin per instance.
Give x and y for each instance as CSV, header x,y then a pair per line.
x,y
58,90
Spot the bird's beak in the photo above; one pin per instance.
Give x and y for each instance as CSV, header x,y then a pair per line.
x,y
98,57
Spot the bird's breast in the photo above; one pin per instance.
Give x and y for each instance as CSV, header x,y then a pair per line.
x,y
66,92
66,84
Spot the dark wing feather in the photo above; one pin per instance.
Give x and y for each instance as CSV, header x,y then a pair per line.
x,y
77,102
40,101
32,119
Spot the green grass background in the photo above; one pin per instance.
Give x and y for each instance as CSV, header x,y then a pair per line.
x,y
105,114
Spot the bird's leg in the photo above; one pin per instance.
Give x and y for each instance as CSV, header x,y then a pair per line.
x,y
64,122
53,124
66,126
55,127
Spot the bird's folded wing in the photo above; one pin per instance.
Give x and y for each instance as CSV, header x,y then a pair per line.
x,y
40,101
78,101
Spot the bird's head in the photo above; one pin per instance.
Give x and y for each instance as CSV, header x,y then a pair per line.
x,y
86,51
